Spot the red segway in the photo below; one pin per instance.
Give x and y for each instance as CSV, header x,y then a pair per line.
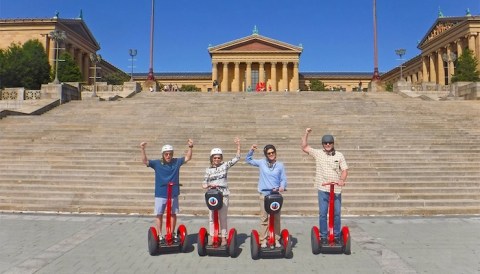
x,y
273,204
170,243
331,247
214,200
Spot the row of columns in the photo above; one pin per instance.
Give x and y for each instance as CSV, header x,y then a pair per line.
x,y
433,65
235,83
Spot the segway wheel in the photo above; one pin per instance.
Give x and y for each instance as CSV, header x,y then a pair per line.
x,y
202,242
346,241
315,239
287,243
232,247
153,247
254,245
182,234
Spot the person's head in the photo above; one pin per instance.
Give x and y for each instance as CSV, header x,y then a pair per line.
x,y
270,153
328,143
167,153
216,156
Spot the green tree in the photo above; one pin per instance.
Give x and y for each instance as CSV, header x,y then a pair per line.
x,y
317,85
116,78
189,88
35,63
68,70
466,70
12,68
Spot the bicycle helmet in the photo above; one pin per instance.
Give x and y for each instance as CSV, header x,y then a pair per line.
x,y
216,151
167,148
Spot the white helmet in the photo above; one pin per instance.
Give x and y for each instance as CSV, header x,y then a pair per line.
x,y
216,151
167,148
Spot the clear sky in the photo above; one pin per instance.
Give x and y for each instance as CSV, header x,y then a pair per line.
x,y
336,35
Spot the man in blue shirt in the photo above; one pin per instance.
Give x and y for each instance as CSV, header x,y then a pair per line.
x,y
167,170
272,177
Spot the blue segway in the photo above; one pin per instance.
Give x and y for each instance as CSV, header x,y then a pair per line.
x,y
214,201
273,203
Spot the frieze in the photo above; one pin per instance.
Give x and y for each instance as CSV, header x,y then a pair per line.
x,y
440,28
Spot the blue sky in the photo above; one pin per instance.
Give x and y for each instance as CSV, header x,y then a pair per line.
x,y
337,35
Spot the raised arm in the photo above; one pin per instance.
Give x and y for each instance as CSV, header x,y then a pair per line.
x,y
237,142
188,154
305,146
143,145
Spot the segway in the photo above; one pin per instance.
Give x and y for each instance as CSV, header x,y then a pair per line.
x,y
273,203
343,246
214,200
170,243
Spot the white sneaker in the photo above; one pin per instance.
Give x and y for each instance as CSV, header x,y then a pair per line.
x,y
264,244
161,238
277,244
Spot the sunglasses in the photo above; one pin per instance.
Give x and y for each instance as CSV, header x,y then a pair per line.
x,y
271,153
328,143
168,153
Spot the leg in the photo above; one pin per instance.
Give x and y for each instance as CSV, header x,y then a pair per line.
x,y
175,210
263,220
222,215
337,217
158,221
323,198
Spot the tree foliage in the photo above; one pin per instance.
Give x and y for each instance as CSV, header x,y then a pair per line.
x,y
466,70
116,78
190,88
24,66
68,70
317,85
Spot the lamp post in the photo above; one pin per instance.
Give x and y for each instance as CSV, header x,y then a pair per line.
x,y
57,36
152,21
133,53
400,53
95,58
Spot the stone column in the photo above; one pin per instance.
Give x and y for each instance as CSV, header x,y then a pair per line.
x,y
214,74
471,42
274,76
432,73
261,72
225,77
424,69
440,68
459,47
285,76
295,84
236,80
249,76
86,68
450,65
420,76
414,78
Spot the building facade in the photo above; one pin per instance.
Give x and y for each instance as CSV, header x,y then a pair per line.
x,y
78,41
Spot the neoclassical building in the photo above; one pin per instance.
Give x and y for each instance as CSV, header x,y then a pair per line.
x,y
79,42
440,48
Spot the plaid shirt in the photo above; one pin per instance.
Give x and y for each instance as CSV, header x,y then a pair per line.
x,y
329,168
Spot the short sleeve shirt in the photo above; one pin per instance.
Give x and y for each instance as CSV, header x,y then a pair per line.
x,y
165,173
328,168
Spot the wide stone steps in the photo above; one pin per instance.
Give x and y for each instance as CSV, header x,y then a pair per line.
x,y
406,156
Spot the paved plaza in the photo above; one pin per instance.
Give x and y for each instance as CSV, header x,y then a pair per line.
x,y
43,243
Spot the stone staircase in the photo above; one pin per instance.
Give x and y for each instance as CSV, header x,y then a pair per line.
x,y
406,156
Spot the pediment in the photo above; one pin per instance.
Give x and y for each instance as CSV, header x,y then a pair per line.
x,y
255,43
441,26
79,28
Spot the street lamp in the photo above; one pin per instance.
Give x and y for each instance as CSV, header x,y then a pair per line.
x,y
133,53
400,53
449,58
57,36
95,58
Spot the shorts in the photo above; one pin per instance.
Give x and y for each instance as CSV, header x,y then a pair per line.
x,y
161,204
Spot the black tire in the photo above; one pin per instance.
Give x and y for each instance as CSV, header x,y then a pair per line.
x,y
254,248
288,248
232,248
153,247
315,241
346,246
201,244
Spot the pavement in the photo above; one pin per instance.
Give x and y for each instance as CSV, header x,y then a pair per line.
x,y
52,243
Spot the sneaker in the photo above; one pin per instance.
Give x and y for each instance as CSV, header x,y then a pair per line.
x,y
264,244
161,238
176,238
324,241
337,241
224,241
277,243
